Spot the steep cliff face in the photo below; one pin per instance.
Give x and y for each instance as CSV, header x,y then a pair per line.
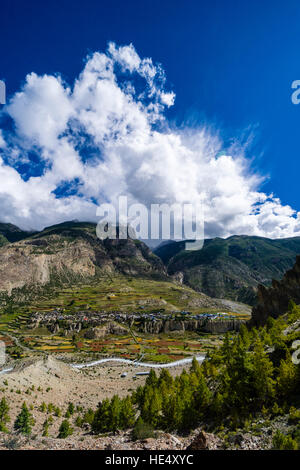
x,y
274,301
207,326
72,251
98,325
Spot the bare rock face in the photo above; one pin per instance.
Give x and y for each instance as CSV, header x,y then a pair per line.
x,y
205,441
209,326
274,301
101,331
72,251
21,263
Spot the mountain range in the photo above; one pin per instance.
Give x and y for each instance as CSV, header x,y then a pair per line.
x,y
233,267
229,268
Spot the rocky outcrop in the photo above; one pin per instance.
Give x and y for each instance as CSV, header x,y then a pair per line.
x,y
205,441
99,324
205,325
274,301
108,329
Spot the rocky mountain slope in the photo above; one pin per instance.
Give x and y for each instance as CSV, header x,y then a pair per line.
x,y
70,251
233,267
12,233
274,301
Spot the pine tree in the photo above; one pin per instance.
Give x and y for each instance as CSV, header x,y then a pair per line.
x,y
152,379
88,416
127,413
263,370
65,429
151,407
50,408
171,412
245,335
165,378
203,394
24,421
195,367
217,405
4,416
101,420
45,428
79,421
71,409
43,407
115,409
287,377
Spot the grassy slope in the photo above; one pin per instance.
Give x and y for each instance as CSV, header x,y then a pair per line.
x,y
232,267
12,233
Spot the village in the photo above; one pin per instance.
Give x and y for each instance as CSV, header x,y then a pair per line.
x,y
119,322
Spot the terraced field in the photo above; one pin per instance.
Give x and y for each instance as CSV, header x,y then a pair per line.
x,y
121,294
127,294
161,348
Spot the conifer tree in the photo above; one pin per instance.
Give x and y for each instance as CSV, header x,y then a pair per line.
x,y
203,394
152,378
263,370
71,408
287,377
101,420
4,416
65,429
24,421
165,378
115,409
151,407
195,367
127,413
45,428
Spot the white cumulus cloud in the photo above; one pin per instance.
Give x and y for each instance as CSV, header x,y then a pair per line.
x,y
106,135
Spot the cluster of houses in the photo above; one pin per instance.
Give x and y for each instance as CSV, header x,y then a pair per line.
x,y
92,318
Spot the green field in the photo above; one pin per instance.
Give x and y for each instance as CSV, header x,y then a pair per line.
x,y
121,294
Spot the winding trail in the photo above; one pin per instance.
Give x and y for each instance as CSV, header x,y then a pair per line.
x,y
4,371
181,362
149,365
16,340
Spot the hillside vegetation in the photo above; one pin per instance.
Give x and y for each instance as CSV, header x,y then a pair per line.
x,y
233,267
250,379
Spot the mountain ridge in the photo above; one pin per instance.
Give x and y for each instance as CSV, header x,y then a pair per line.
x,y
72,249
232,267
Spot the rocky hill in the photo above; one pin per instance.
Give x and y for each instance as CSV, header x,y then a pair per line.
x,y
68,252
231,268
12,233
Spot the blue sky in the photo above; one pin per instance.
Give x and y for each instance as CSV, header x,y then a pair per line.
x,y
230,64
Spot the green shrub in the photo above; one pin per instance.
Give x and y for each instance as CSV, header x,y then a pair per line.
x,y
294,415
142,430
284,442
